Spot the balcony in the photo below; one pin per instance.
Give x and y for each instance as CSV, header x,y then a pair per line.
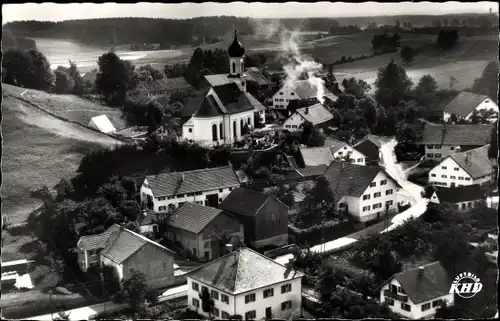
x,y
396,296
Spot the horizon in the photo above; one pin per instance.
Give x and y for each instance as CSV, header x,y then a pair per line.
x,y
290,10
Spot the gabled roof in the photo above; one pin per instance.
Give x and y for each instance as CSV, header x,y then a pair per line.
x,y
208,179
369,146
433,283
92,242
193,217
315,114
308,171
314,156
103,123
464,103
241,271
456,135
224,99
252,74
475,161
254,102
460,194
345,178
305,89
246,202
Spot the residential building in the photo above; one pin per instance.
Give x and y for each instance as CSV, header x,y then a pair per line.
x,y
370,147
464,198
102,124
333,150
418,293
265,218
248,284
127,252
149,221
208,186
364,192
443,140
463,106
196,227
316,114
300,89
462,169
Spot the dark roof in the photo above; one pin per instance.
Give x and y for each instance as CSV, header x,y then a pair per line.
x,y
457,135
232,99
369,146
475,162
236,49
193,217
208,108
167,184
308,171
460,194
192,106
433,283
345,178
246,202
464,103
241,271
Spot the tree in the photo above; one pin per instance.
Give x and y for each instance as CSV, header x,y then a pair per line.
x,y
18,68
392,84
426,90
78,83
207,303
64,83
447,39
113,78
368,107
398,24
136,292
407,54
487,84
493,149
355,87
43,77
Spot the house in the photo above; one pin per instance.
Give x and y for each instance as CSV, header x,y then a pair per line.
x,y
465,104
462,169
127,251
102,124
316,114
370,147
300,89
264,217
364,192
194,226
207,186
334,149
464,198
443,140
248,284
417,293
149,221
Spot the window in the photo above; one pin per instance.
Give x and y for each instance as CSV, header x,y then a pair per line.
x,y
340,153
221,190
426,307
196,302
373,184
460,178
375,195
234,129
433,175
234,68
250,298
293,94
286,288
437,146
430,146
455,169
467,178
225,315
393,288
443,167
389,301
190,130
366,197
443,176
437,155
286,305
375,206
360,160
214,294
215,311
405,307
221,134
389,203
224,298
281,93
366,208
268,293
203,288
195,286
180,196
388,192
469,204
383,182
214,132
342,205
452,148
436,303
161,198
250,315
430,155
162,208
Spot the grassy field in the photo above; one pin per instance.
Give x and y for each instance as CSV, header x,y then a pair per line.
x,y
75,108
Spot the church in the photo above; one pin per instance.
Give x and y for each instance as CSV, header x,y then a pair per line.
x,y
227,109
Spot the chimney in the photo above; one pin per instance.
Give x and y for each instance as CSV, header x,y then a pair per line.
x,y
182,177
122,228
307,110
420,271
467,158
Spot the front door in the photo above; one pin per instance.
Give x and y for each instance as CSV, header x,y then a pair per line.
x,y
213,200
452,185
269,313
207,255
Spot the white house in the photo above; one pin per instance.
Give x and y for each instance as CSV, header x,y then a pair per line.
x,y
443,140
364,192
248,284
462,169
316,114
465,104
333,150
463,198
208,186
418,293
300,90
102,124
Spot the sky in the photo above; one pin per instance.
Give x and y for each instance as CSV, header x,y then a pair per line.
x,y
59,12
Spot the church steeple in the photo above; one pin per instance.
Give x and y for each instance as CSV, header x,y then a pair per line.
x,y
236,49
236,53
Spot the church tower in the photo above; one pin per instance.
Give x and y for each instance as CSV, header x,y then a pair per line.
x,y
236,53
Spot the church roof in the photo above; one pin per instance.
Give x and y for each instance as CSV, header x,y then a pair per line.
x,y
236,49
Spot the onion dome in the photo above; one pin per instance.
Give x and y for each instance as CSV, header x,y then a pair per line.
x,y
236,49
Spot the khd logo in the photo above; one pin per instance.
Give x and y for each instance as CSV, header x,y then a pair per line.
x,y
466,285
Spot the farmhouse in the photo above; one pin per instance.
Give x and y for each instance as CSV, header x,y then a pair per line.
x,y
462,169
370,147
126,251
334,150
246,283
264,217
102,124
196,226
417,293
300,89
465,104
443,140
209,187
464,198
364,192
316,114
